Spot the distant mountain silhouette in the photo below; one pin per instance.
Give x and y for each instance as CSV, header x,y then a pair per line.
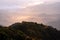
x,y
29,31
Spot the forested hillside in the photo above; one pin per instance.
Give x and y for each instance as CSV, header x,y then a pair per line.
x,y
29,31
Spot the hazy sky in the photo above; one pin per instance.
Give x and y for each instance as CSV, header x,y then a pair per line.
x,y
11,4
41,11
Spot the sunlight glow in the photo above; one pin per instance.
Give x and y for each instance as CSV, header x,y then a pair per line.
x,y
33,3
36,3
19,18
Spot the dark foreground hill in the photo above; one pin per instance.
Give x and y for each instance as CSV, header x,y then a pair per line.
x,y
29,31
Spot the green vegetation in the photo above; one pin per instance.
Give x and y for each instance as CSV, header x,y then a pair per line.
x,y
29,31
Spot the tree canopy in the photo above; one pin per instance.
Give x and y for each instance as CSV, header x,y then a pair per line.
x,y
29,31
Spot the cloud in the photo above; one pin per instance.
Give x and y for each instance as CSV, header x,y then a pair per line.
x,y
44,13
7,4
13,4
